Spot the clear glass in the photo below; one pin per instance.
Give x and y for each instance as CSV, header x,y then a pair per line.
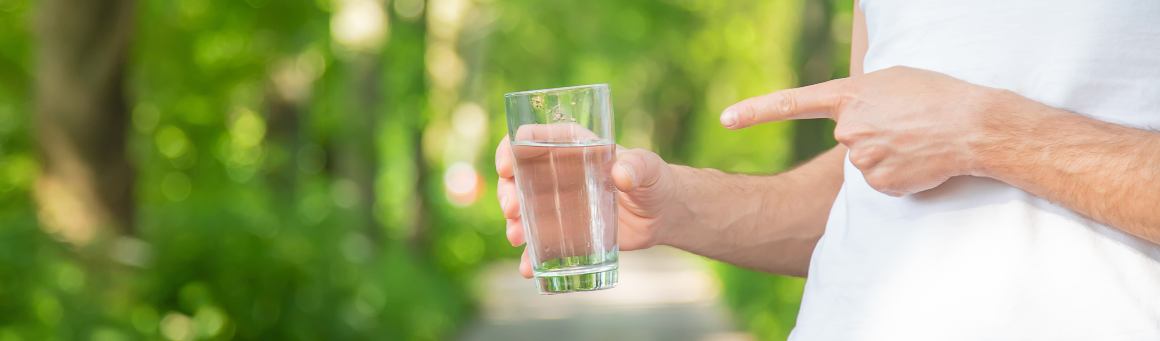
x,y
564,151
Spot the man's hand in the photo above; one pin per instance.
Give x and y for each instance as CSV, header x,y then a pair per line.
x,y
646,186
908,130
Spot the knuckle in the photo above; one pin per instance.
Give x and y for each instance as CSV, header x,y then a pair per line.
x,y
851,134
872,152
858,159
746,113
844,135
858,163
880,181
862,158
786,102
844,139
841,134
845,98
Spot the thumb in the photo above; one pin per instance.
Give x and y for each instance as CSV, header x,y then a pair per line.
x,y
636,169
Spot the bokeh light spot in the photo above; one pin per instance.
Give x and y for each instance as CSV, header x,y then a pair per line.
x,y
409,9
359,25
47,308
192,10
176,186
145,117
144,319
208,322
356,248
248,129
370,299
446,68
469,121
314,207
19,170
171,141
131,251
70,278
344,192
462,183
177,326
468,247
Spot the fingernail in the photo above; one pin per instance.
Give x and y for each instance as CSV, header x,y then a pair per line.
x,y
728,118
631,173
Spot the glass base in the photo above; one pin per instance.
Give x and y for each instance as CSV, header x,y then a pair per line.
x,y
560,284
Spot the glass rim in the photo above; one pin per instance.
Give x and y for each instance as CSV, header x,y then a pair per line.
x,y
560,89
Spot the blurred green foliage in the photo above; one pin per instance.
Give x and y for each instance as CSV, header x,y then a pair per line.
x,y
227,249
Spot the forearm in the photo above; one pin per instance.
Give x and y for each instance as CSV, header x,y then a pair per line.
x,y
1108,172
767,223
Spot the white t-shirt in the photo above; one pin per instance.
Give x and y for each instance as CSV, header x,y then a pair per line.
x,y
975,258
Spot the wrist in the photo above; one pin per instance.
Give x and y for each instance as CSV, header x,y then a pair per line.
x,y
1005,122
705,203
676,212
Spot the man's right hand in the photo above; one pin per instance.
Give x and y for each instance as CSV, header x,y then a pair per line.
x,y
646,188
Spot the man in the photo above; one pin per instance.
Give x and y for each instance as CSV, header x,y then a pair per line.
x,y
996,179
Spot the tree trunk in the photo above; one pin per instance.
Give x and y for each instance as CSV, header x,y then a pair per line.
x,y
85,188
357,161
406,93
673,127
283,117
814,62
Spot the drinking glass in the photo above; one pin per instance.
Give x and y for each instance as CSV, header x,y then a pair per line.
x,y
564,151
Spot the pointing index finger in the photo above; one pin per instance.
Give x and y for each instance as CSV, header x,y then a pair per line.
x,y
820,100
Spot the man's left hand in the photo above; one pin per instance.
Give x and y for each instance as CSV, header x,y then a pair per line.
x,y
908,130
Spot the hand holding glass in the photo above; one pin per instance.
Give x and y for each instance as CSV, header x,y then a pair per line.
x,y
563,149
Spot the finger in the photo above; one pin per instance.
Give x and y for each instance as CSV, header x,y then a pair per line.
x,y
525,265
515,232
503,158
554,133
636,169
509,199
564,132
639,237
883,180
867,157
815,101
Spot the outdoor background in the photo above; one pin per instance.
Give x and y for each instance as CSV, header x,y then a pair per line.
x,y
323,169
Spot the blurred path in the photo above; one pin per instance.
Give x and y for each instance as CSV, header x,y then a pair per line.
x,y
663,294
